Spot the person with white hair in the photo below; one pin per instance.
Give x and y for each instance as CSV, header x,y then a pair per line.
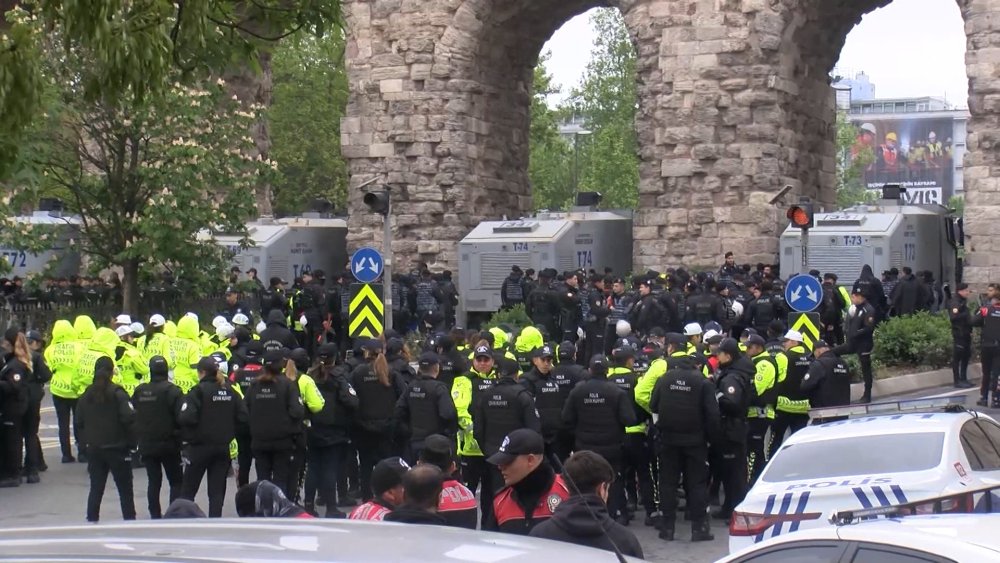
x,y
618,303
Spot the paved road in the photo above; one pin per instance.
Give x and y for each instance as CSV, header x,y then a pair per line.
x,y
61,499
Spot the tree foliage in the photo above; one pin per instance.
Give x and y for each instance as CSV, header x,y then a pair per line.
x,y
140,48
852,159
607,101
146,174
310,97
550,166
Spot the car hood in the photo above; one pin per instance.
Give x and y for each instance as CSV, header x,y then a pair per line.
x,y
284,540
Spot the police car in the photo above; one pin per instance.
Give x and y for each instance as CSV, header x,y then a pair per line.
x,y
881,455
957,528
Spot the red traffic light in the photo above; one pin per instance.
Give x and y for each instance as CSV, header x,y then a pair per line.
x,y
800,216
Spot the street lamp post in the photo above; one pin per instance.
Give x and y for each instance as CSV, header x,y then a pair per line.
x,y
579,132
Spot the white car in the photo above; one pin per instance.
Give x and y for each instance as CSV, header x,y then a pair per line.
x,y
872,461
940,538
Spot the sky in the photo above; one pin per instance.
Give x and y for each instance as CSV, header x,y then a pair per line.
x,y
910,48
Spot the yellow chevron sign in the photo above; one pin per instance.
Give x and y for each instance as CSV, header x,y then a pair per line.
x,y
808,325
365,313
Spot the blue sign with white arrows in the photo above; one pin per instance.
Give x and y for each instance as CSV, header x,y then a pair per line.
x,y
366,265
803,293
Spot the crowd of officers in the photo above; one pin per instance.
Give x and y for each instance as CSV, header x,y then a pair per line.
x,y
655,403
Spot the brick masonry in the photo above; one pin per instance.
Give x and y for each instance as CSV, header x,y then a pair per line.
x,y
734,104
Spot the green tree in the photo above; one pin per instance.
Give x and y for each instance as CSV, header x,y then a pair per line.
x,y
550,165
607,101
138,49
310,97
852,159
150,176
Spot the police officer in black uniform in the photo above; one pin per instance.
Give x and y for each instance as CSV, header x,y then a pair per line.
x,y
567,374
549,398
961,334
688,419
512,291
543,305
276,413
636,462
274,297
426,407
500,410
736,373
598,411
157,404
210,414
860,337
828,381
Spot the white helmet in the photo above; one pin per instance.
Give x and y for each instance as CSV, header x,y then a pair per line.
x,y
261,327
224,331
239,319
137,328
737,308
157,320
623,329
218,321
692,329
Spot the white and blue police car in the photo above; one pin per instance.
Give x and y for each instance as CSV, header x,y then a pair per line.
x,y
879,455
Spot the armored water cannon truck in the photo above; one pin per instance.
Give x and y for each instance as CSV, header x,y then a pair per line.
x,y
886,234
573,240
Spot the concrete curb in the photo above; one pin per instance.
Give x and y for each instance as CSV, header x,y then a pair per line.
x,y
909,383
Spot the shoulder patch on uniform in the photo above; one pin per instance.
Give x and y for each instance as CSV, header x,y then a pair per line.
x,y
731,390
184,407
553,502
17,377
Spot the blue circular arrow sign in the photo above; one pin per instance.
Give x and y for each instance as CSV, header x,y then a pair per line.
x,y
366,265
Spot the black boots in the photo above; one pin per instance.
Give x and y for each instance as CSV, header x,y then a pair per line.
x,y
701,531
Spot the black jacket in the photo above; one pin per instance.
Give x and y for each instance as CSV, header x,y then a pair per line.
x,y
332,425
157,404
376,402
106,418
211,414
828,382
39,375
427,408
584,520
406,514
734,394
684,400
961,318
277,336
647,313
276,412
860,328
909,296
550,392
14,388
503,408
597,412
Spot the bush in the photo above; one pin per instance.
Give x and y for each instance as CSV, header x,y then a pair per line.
x,y
516,317
921,339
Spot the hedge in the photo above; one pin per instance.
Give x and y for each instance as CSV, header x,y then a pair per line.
x,y
921,339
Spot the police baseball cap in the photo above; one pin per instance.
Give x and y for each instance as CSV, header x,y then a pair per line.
x,y
507,367
428,359
676,339
542,352
713,336
794,336
522,441
34,336
657,332
484,352
157,320
328,350
692,329
254,349
438,451
748,332
567,349
730,346
821,344
208,365
158,366
599,362
388,474
623,349
961,286
756,339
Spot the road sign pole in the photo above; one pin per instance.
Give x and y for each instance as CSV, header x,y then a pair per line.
x,y
804,268
387,259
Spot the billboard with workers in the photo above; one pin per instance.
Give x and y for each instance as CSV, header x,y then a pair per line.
x,y
915,153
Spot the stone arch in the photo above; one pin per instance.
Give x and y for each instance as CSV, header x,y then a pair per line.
x,y
734,103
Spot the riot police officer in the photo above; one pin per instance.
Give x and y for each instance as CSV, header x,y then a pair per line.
x,y
512,291
503,408
426,407
687,419
549,398
736,374
598,411
828,381
636,460
157,403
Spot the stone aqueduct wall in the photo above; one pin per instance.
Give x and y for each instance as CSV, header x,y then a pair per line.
x,y
734,103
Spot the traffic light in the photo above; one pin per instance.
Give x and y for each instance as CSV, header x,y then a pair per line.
x,y
377,202
801,215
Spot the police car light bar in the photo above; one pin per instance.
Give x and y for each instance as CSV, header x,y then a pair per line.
x,y
976,501
910,405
